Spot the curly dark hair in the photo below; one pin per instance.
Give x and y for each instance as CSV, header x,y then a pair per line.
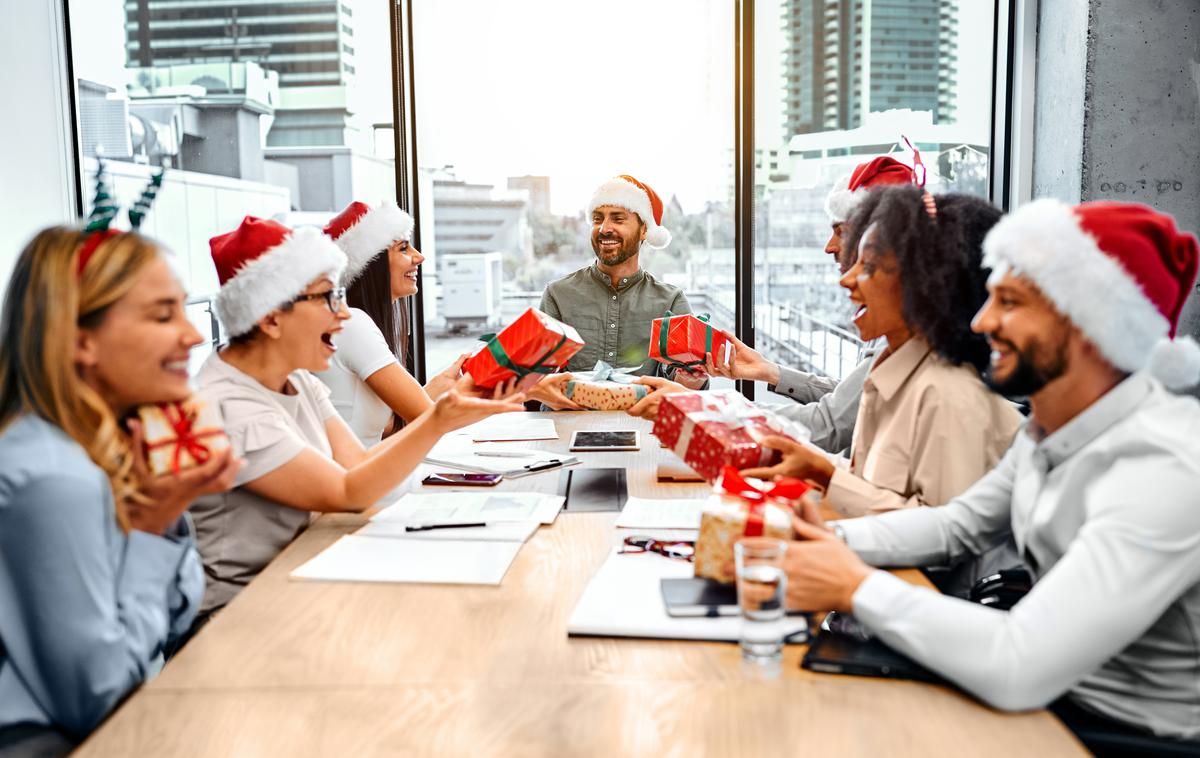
x,y
942,278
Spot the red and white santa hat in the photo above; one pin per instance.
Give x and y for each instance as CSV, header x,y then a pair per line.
x,y
363,232
850,190
626,192
1120,271
263,264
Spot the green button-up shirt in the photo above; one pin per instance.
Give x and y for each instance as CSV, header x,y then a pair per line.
x,y
614,322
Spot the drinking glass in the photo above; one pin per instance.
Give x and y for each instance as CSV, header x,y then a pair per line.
x,y
761,586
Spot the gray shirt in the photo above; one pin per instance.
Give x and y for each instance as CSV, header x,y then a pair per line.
x,y
829,415
85,609
1104,512
240,532
614,322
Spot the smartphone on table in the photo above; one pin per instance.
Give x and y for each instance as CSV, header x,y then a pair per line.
x,y
458,479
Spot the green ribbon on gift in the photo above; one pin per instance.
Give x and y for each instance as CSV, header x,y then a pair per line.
x,y
662,339
539,366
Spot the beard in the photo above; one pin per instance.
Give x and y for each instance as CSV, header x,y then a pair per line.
x,y
627,250
1030,375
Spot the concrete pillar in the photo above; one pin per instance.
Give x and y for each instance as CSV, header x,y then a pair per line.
x,y
1117,113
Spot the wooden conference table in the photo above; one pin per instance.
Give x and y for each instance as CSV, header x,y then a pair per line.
x,y
334,669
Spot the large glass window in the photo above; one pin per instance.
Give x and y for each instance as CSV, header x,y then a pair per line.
x,y
838,82
524,109
263,108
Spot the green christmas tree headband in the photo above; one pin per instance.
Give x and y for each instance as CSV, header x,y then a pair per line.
x,y
105,209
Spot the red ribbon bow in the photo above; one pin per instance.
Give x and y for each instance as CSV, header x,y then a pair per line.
x,y
186,439
732,483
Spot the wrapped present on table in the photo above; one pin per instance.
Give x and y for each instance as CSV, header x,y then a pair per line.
x,y
738,509
181,435
605,388
710,430
682,341
533,344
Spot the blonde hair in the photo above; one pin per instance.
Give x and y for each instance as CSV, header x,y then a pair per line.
x,y
47,302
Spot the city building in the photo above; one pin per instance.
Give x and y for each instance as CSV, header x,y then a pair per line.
x,y
310,43
538,188
477,218
844,59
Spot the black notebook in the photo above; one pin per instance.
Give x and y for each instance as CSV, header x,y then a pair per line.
x,y
593,489
834,652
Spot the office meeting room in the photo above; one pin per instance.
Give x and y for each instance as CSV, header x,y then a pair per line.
x,y
633,378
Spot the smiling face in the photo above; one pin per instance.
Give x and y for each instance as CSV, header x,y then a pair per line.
x,y
404,261
873,283
138,353
617,234
1029,338
305,332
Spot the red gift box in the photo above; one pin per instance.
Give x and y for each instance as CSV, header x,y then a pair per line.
x,y
683,341
181,435
710,430
533,344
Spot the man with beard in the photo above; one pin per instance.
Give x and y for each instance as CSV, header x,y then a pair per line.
x,y
1099,490
826,408
612,302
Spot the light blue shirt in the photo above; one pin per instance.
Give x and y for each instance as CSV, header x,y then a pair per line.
x,y
85,609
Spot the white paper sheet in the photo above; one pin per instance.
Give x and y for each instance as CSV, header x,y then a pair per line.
x,y
465,507
497,531
674,513
512,426
624,599
508,466
366,559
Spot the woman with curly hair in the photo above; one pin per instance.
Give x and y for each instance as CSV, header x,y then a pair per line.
x,y
927,427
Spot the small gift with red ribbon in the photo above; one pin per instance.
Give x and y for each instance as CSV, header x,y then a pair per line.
x,y
181,435
682,341
738,509
710,430
533,344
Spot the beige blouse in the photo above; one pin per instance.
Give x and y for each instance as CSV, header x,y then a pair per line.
x,y
926,430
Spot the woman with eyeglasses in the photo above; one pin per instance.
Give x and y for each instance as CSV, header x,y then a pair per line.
x,y
99,572
281,307
367,381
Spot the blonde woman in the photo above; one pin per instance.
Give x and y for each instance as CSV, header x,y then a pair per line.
x,y
98,568
280,304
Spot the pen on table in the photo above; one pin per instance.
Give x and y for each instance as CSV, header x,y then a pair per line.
x,y
503,454
429,527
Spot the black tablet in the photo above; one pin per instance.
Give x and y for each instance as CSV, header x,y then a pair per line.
x,y
583,441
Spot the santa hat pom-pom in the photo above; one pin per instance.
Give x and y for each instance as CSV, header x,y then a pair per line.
x,y
1176,363
658,237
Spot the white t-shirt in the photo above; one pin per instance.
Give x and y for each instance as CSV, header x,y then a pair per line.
x,y
239,532
361,351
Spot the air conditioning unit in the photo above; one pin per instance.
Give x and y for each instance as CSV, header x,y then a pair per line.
x,y
471,288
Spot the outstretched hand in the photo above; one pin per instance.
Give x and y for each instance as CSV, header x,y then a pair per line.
x,y
552,391
743,362
464,404
647,407
799,462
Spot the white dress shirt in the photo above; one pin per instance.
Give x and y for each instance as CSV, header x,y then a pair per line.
x,y
1106,513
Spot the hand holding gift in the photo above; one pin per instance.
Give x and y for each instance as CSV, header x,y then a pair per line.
x,y
683,342
797,461
533,344
605,389
193,459
739,509
709,430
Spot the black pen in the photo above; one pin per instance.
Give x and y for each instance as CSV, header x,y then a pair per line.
x,y
429,527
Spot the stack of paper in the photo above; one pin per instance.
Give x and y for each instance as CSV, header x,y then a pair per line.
x,y
676,513
624,599
511,427
471,507
509,462
366,559
496,531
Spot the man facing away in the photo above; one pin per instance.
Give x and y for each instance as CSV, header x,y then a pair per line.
x,y
1099,490
612,302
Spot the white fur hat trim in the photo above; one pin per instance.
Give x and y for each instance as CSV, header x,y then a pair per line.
x,y
1043,242
275,277
841,202
622,194
371,235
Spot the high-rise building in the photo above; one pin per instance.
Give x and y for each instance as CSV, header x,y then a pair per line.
x,y
310,43
846,58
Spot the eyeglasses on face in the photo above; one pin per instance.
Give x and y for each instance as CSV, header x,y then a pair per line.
x,y
332,297
680,550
